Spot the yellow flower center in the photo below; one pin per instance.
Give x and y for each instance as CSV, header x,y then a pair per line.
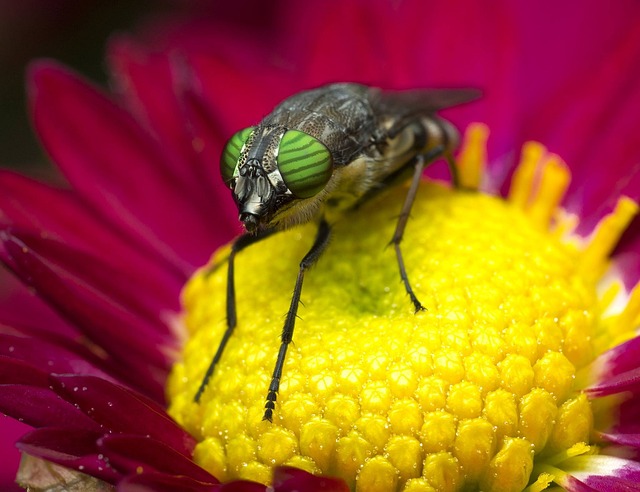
x,y
466,393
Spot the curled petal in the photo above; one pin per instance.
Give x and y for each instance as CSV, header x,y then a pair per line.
x,y
133,453
72,448
48,357
62,215
287,479
161,482
121,410
126,178
41,407
601,473
102,320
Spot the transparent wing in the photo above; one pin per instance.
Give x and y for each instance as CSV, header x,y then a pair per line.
x,y
422,101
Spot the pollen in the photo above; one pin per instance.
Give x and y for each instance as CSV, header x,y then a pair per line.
x,y
470,393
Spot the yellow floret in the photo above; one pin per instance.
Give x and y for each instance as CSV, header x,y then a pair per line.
x,y
461,395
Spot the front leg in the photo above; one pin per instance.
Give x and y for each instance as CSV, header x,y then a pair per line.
x,y
319,245
238,245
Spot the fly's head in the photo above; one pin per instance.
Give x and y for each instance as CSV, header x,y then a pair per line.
x,y
269,168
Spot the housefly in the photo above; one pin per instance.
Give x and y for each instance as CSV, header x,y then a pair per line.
x,y
320,153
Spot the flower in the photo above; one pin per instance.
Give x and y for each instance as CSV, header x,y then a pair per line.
x,y
104,385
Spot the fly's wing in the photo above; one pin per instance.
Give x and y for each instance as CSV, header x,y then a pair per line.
x,y
403,106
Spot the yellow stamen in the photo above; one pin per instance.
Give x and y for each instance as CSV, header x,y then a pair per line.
x,y
629,319
606,236
554,181
472,159
522,184
480,390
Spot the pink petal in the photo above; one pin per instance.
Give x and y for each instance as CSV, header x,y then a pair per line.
x,y
626,381
618,360
287,479
149,83
62,215
48,357
41,407
118,169
601,473
160,482
100,319
10,430
71,448
622,439
144,296
121,410
132,453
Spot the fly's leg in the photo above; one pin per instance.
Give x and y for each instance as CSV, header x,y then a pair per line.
x,y
453,169
319,245
241,243
419,164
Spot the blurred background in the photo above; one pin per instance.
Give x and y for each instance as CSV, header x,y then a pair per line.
x,y
73,32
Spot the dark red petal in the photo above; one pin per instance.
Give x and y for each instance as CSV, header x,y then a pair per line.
x,y
60,214
119,282
287,479
14,371
48,357
148,82
41,407
100,319
160,482
71,448
133,453
118,169
20,306
121,410
243,486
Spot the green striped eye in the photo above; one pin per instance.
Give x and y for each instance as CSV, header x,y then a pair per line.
x,y
304,163
231,153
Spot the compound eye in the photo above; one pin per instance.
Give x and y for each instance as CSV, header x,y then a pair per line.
x,y
304,163
231,154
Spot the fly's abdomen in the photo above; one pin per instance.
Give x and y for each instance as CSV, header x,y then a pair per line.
x,y
432,132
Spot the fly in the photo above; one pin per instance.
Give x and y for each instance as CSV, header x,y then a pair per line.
x,y
318,154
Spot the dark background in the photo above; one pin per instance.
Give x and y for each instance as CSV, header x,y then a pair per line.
x,y
73,32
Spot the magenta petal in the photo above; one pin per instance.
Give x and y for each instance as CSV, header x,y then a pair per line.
x,y
160,482
14,371
131,453
112,279
71,448
287,479
619,359
118,169
100,319
626,381
148,82
60,214
41,407
630,440
121,410
243,486
47,357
